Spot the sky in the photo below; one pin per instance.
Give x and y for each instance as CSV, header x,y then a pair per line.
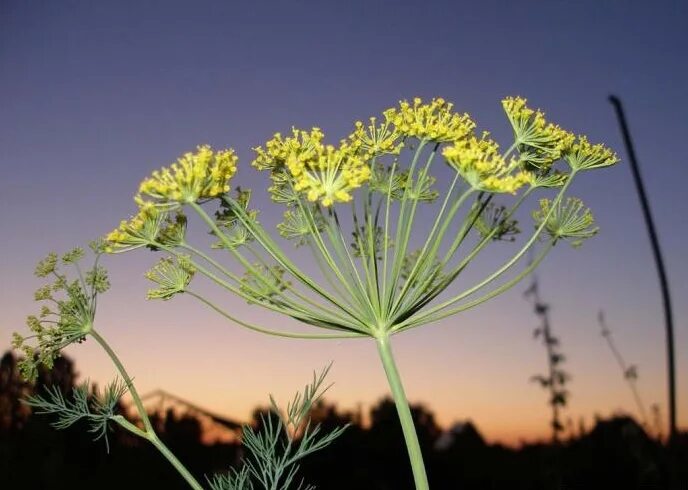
x,y
95,95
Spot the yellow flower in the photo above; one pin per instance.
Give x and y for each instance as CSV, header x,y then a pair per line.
x,y
204,174
330,176
301,145
430,122
373,140
141,230
584,156
483,167
539,143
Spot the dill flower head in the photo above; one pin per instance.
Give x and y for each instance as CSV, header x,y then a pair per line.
x,y
494,222
430,122
140,230
201,175
171,276
539,143
297,227
374,140
584,156
482,166
567,220
301,145
331,175
66,316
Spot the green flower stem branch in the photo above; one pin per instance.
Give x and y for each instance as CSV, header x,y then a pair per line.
x,y
422,319
376,284
275,333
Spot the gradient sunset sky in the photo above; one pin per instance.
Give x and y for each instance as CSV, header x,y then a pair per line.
x,y
95,95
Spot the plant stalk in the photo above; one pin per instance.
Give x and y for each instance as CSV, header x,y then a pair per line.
x,y
149,432
411,437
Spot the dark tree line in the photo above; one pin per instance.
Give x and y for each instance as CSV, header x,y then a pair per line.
x,y
616,453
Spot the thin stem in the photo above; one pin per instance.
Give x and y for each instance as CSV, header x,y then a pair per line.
x,y
505,267
407,426
303,315
495,292
276,333
249,267
274,250
149,432
327,256
327,273
400,247
425,260
127,379
386,247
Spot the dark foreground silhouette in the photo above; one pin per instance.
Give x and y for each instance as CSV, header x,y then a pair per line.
x,y
615,454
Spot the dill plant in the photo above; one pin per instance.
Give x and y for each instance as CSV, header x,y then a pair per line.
x,y
355,206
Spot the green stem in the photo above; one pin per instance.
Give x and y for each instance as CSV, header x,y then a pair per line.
x,y
255,328
470,304
409,430
165,451
127,379
149,432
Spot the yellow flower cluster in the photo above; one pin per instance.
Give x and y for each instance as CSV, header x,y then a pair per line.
x,y
584,156
540,143
482,166
141,230
374,139
331,175
302,163
302,145
430,122
204,174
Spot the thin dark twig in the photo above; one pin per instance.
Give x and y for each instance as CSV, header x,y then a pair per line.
x,y
659,261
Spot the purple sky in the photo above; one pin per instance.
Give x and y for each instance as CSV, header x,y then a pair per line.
x,y
94,96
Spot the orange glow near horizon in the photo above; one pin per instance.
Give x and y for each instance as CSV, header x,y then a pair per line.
x,y
458,374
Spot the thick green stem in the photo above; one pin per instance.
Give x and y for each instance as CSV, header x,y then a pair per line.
x,y
414,452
